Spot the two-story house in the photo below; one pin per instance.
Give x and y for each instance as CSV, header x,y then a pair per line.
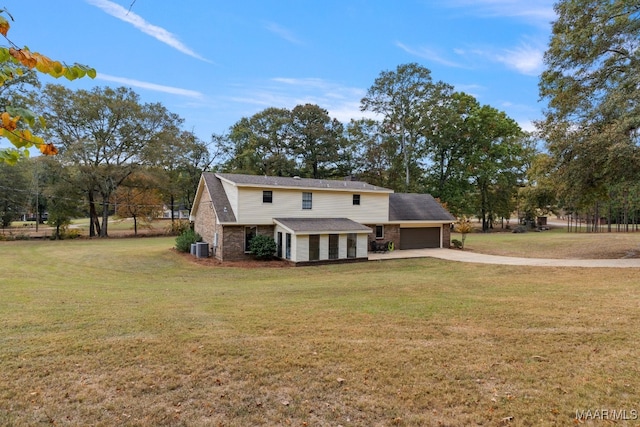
x,y
313,220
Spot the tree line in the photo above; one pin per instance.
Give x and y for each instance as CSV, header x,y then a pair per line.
x,y
114,150
425,137
422,136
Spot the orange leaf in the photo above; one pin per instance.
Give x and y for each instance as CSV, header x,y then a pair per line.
x,y
4,26
48,149
24,56
8,122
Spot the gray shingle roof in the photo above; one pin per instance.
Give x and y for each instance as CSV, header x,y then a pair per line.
x,y
325,225
416,207
219,197
288,182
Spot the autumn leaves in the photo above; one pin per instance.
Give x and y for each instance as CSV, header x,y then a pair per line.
x,y
15,120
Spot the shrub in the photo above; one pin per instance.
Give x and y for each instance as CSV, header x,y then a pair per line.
x,y
69,233
262,246
186,239
456,243
464,227
176,228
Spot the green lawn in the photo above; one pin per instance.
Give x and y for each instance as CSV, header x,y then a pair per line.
x,y
127,332
555,243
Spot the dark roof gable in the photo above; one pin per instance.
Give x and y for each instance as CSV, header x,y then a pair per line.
x,y
219,197
416,207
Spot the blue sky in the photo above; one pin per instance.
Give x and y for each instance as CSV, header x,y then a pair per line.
x,y
213,62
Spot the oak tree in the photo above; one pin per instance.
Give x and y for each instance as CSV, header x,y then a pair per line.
x,y
592,124
107,134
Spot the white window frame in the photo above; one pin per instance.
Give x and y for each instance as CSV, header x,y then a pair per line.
x,y
307,200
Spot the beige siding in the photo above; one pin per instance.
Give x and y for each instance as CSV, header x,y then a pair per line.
x,y
361,249
324,246
342,246
300,244
249,209
232,194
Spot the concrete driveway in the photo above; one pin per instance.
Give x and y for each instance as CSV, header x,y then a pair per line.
x,y
466,256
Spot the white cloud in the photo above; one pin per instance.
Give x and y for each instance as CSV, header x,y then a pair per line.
x,y
282,32
470,89
342,102
538,12
141,24
526,58
150,86
428,54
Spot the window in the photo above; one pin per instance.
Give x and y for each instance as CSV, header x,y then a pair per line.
x,y
352,245
267,196
306,200
379,231
314,247
287,248
279,245
333,246
356,199
249,234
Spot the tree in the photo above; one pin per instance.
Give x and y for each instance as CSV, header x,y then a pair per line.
x,y
260,144
177,166
61,192
276,141
315,140
14,193
398,96
138,198
464,227
373,152
497,155
592,125
15,119
449,131
107,134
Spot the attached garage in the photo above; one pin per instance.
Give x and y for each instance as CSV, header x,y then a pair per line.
x,y
420,238
422,222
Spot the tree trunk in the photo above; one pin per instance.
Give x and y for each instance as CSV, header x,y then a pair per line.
x,y
173,219
105,215
406,162
94,223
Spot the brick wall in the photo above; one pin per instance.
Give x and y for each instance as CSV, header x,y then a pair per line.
x,y
231,241
205,220
391,234
446,235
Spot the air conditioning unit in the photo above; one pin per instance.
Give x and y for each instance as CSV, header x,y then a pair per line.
x,y
202,250
193,249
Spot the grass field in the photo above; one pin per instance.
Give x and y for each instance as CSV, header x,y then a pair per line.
x,y
127,332
555,243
